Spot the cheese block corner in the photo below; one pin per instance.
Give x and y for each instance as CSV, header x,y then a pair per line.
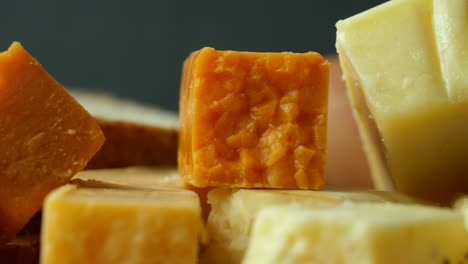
x,y
252,119
45,138
103,225
358,233
233,211
405,64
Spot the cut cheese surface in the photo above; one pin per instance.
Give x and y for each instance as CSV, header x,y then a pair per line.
x,y
253,119
233,211
404,66
358,233
98,225
45,138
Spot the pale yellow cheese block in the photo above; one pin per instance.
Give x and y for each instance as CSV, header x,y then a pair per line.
x,y
407,83
233,211
137,177
359,233
98,225
141,177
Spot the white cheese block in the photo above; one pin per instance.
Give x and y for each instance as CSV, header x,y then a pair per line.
x,y
365,234
234,210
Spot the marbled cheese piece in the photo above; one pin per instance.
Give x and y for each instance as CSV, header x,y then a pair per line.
x,y
141,177
99,225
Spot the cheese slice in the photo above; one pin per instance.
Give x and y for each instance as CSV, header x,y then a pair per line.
x,y
359,233
98,225
45,138
233,211
253,119
412,117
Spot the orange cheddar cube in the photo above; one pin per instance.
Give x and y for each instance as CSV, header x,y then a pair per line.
x,y
253,119
45,138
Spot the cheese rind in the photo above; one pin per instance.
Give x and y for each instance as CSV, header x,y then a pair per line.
x,y
253,119
233,211
45,138
95,225
412,128
359,233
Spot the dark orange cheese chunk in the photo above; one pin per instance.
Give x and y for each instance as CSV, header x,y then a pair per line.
x,y
45,138
253,119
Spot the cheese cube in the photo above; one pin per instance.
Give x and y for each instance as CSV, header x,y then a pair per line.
x,y
362,233
233,211
413,116
253,119
45,138
95,225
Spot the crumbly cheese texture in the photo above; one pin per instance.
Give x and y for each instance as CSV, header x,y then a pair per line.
x,y
98,225
45,138
405,64
360,233
233,211
253,119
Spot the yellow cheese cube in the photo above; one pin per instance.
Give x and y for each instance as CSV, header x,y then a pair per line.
x,y
360,233
233,211
92,225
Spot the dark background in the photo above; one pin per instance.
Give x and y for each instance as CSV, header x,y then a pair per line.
x,y
135,48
